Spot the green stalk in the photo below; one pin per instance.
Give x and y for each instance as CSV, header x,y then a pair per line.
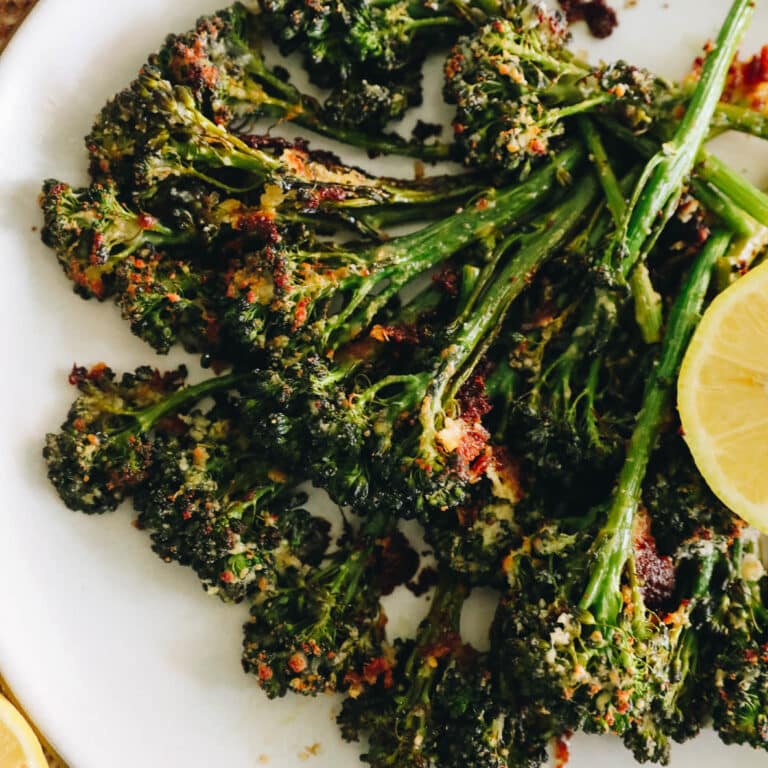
x,y
384,144
442,622
708,169
612,547
724,209
148,417
750,239
548,233
666,171
471,340
599,157
732,117
732,184
647,300
403,258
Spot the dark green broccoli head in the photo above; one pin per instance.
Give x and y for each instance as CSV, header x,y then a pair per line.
x,y
356,39
474,539
216,503
555,658
318,629
92,231
168,300
494,77
214,60
740,701
396,710
116,138
103,450
280,295
474,728
514,84
676,496
370,105
741,697
156,131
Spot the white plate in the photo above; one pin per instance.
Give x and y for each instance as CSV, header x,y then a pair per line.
x,y
121,659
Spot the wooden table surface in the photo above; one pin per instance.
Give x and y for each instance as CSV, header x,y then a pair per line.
x,y
12,13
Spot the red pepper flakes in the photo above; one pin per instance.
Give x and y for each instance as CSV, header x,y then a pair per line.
x,y
300,315
747,80
562,749
146,220
380,667
298,663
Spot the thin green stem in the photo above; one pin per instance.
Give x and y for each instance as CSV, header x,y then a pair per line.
x,y
732,184
597,154
549,233
403,258
148,417
669,167
602,595
724,209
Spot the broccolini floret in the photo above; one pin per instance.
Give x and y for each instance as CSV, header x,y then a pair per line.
x,y
103,450
218,504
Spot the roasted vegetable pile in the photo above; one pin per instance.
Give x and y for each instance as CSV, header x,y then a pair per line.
x,y
502,373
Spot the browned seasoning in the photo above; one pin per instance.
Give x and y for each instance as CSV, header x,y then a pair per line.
x,y
599,17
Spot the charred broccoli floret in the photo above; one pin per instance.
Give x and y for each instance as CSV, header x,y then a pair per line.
x,y
216,502
155,131
514,84
318,630
103,450
349,40
741,635
396,711
92,231
222,63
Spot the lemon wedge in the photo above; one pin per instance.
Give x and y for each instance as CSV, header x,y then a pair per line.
x,y
722,396
19,747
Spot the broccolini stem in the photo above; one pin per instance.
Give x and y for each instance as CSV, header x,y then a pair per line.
x,y
385,144
732,184
377,218
667,169
750,239
708,169
492,212
439,630
732,117
556,114
613,195
549,233
734,218
647,300
403,258
602,595
148,417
